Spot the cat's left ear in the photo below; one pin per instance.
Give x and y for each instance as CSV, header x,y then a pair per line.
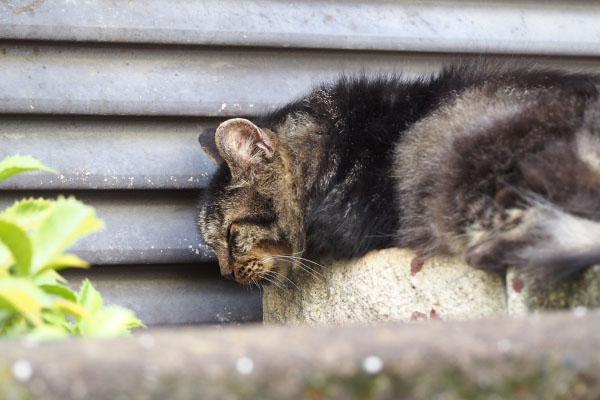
x,y
242,144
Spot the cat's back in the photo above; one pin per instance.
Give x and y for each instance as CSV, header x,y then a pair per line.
x,y
490,123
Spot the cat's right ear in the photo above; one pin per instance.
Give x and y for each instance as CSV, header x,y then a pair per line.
x,y
207,142
243,145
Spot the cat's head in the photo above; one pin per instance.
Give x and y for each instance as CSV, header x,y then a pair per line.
x,y
248,214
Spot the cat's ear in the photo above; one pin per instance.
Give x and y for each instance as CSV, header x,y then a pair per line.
x,y
207,142
242,144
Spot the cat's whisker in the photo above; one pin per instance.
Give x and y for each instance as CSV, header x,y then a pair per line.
x,y
300,264
303,259
279,274
273,281
255,282
307,268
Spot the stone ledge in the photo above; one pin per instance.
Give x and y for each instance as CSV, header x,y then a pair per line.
x,y
538,357
390,285
526,294
387,285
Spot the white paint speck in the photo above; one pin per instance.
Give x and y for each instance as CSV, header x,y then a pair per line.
x,y
223,106
580,311
372,364
244,365
503,345
22,370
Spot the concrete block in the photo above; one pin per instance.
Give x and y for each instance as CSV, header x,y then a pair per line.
x,y
387,285
549,357
526,293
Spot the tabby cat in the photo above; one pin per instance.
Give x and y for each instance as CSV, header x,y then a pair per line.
x,y
498,164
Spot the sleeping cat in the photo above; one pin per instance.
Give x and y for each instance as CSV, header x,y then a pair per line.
x,y
500,165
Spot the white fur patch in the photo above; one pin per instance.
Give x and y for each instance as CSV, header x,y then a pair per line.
x,y
588,149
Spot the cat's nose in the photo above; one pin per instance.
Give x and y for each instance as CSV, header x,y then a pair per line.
x,y
228,275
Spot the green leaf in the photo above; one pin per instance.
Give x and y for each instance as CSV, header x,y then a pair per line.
x,y
89,298
20,294
16,327
5,315
67,221
70,307
59,290
18,243
64,261
14,164
28,213
57,318
48,277
49,332
109,322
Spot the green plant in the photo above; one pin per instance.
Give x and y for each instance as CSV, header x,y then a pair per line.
x,y
34,298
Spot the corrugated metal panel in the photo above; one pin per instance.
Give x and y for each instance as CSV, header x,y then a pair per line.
x,y
164,81
509,26
108,153
174,294
193,82
141,227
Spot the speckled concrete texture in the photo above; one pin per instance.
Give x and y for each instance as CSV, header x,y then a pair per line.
x,y
549,357
527,294
387,285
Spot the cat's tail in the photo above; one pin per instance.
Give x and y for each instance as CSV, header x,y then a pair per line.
x,y
560,244
547,241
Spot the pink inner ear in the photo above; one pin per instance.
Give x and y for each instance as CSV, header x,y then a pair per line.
x,y
242,144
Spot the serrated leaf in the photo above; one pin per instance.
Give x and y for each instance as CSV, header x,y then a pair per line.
x,y
6,259
22,295
48,277
89,298
109,322
16,327
4,270
17,241
28,213
48,332
14,164
57,318
71,308
5,315
59,290
64,261
67,221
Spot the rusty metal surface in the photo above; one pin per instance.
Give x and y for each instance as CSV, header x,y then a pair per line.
x,y
142,227
108,153
538,357
506,26
225,82
173,294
